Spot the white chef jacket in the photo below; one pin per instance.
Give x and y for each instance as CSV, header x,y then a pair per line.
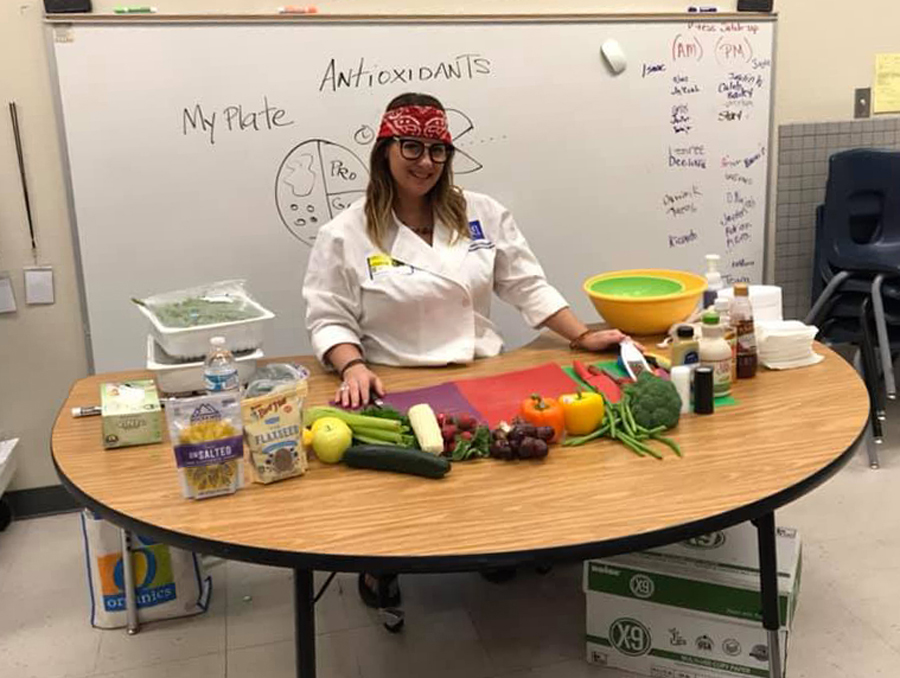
x,y
415,304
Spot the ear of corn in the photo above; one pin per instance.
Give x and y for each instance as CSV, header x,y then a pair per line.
x,y
425,426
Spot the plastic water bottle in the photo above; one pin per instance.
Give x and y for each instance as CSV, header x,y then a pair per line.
x,y
220,371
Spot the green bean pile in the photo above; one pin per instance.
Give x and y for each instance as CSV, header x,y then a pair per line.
x,y
619,424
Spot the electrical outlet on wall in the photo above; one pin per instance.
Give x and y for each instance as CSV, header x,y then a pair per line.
x,y
862,103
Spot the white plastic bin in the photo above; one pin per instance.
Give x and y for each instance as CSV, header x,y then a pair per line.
x,y
174,376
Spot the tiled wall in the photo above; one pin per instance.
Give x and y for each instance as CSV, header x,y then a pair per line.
x,y
803,152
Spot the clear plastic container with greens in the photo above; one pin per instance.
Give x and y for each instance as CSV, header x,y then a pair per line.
x,y
183,321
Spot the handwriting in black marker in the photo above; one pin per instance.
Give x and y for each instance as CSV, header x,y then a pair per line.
x,y
362,75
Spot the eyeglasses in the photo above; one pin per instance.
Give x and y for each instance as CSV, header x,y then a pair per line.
x,y
412,149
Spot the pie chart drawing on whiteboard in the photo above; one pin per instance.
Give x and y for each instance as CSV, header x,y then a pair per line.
x,y
316,181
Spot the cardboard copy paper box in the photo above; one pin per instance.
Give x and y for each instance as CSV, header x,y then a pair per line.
x,y
667,642
704,592
131,413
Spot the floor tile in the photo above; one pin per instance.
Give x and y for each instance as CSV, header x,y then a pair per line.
x,y
260,605
12,545
534,621
575,668
47,635
208,666
50,555
335,658
440,645
830,641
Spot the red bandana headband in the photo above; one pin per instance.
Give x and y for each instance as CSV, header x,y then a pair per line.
x,y
426,122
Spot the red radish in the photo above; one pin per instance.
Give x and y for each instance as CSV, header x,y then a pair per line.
x,y
466,421
466,435
441,419
448,431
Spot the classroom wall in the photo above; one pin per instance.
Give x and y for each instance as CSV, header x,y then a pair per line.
x,y
820,61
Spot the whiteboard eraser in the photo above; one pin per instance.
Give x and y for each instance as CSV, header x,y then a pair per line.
x,y
615,57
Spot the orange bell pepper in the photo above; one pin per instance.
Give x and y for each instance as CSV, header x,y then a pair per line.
x,y
544,412
583,411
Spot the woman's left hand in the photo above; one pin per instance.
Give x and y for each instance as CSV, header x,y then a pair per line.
x,y
604,340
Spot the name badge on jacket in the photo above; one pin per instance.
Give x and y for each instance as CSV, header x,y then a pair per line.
x,y
380,265
479,242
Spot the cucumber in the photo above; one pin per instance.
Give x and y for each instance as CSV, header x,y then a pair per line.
x,y
398,459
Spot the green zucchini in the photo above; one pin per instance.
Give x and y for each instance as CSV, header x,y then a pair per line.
x,y
398,459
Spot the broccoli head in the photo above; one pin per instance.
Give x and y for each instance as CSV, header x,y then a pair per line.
x,y
654,402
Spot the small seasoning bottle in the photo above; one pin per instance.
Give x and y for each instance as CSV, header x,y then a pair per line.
x,y
742,318
716,353
685,349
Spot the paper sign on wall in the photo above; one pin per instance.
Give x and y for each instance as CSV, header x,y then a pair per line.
x,y
39,285
886,89
7,297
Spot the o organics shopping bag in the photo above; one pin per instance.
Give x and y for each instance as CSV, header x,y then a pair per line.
x,y
169,582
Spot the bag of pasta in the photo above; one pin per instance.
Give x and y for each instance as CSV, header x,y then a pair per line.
x,y
207,437
273,433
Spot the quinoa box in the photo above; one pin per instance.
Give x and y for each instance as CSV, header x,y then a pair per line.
x,y
131,413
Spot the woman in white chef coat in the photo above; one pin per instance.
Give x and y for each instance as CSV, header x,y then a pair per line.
x,y
405,276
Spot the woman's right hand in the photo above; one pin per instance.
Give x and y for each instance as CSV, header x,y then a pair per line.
x,y
359,385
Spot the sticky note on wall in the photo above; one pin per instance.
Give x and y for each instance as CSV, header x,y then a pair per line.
x,y
886,87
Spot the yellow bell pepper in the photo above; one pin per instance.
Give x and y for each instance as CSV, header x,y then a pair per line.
x,y
583,412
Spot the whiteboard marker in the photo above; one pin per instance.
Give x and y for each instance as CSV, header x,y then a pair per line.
x,y
92,411
705,9
135,10
291,9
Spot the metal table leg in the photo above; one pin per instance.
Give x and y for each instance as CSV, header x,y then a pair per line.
x,y
131,612
768,578
304,624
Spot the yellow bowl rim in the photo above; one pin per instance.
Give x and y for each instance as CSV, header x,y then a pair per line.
x,y
635,272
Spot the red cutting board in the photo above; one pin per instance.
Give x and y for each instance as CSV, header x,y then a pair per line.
x,y
499,398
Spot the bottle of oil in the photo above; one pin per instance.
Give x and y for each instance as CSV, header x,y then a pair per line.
x,y
742,319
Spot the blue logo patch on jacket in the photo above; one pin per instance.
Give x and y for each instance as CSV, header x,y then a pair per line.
x,y
479,242
475,230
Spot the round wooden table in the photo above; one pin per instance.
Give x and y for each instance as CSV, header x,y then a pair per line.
x,y
789,432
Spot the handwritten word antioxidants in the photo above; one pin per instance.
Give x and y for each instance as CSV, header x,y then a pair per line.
x,y
362,75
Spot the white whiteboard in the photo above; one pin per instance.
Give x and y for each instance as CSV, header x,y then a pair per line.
x,y
651,168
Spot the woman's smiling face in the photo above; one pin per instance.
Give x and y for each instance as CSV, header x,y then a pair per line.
x,y
414,178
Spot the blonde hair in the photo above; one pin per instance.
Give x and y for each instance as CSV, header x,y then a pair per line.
x,y
447,200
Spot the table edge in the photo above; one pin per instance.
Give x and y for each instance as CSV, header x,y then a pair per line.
x,y
463,562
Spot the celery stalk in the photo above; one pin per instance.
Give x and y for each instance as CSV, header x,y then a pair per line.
x,y
352,420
